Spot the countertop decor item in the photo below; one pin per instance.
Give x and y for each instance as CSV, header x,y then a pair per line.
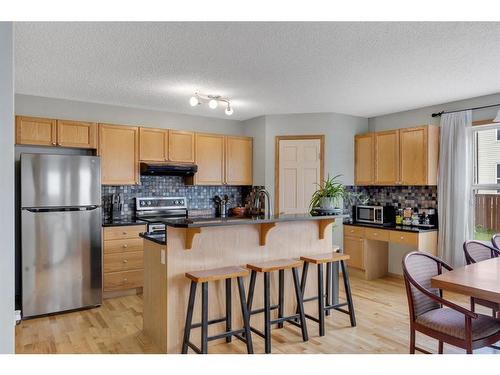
x,y
329,194
238,211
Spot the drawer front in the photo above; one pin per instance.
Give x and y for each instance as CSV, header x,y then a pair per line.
x,y
123,280
122,246
123,261
354,247
404,238
118,233
377,234
353,231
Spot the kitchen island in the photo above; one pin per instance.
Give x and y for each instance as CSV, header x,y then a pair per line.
x,y
205,243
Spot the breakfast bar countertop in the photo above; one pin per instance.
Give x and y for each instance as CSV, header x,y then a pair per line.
x,y
200,222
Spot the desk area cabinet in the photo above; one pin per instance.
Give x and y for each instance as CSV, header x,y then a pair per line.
x,y
368,246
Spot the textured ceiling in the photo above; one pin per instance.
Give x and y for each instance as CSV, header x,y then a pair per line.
x,y
363,69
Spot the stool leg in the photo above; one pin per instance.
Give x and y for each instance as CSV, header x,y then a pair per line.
x,y
246,316
321,301
267,313
251,289
303,281
281,295
328,286
204,318
189,318
347,287
300,304
228,308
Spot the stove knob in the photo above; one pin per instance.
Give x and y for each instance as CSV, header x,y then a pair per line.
x,y
176,202
149,203
143,203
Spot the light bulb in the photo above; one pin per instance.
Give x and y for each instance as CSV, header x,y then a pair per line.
x,y
213,103
194,101
229,110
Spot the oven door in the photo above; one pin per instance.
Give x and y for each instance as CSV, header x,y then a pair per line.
x,y
365,214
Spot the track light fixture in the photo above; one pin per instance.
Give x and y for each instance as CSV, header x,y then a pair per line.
x,y
212,100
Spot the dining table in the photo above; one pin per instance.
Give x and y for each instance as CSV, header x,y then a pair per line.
x,y
478,280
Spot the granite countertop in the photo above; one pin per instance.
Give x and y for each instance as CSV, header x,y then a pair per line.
x,y
233,220
402,228
122,222
159,238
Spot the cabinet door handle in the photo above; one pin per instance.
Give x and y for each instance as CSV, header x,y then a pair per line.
x,y
54,143
125,246
124,233
401,238
125,280
352,231
125,260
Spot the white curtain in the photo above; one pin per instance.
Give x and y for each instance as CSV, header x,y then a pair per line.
x,y
455,207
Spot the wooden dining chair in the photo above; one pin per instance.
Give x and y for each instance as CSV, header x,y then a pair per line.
x,y
495,240
476,251
437,317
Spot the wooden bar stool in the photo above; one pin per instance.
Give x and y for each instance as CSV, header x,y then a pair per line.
x,y
204,277
266,268
324,303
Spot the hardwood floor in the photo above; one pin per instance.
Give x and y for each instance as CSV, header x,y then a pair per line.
x,y
116,327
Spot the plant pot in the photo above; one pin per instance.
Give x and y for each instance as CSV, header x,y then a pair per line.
x,y
327,203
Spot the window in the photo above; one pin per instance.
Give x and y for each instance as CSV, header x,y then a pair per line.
x,y
486,184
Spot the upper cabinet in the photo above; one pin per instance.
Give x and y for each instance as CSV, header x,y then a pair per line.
x,y
153,144
419,155
239,161
50,132
119,151
76,134
407,156
36,131
209,151
181,146
364,159
387,157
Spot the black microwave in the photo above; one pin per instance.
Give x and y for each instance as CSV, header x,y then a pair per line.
x,y
379,215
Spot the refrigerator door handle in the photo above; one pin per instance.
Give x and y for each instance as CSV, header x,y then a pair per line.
x,y
61,209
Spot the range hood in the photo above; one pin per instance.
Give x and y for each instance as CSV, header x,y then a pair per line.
x,y
168,169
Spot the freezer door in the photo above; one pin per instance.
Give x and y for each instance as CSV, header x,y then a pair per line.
x,y
61,260
60,180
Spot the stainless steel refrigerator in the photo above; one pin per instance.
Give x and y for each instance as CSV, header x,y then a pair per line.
x,y
61,257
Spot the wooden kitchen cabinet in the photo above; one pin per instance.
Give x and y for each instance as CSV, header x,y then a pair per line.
x,y
364,145
387,157
123,259
209,157
119,151
36,131
153,144
77,134
354,247
238,160
419,151
181,146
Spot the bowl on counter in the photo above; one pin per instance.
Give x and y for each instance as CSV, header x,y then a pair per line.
x,y
238,211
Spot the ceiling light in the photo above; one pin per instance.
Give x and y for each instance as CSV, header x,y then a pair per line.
x,y
193,101
497,118
213,103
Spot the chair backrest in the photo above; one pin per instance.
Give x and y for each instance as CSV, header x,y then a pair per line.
x,y
476,251
418,269
495,240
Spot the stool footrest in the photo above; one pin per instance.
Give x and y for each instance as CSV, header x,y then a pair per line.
x,y
213,321
285,319
312,318
260,311
223,335
194,347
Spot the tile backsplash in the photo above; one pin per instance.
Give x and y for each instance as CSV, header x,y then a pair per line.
x,y
198,197
398,196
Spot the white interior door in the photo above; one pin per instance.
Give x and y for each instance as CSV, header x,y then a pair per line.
x,y
299,172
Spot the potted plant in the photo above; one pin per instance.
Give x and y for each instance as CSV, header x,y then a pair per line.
x,y
329,195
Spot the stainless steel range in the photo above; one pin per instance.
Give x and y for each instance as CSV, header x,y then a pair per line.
x,y
152,210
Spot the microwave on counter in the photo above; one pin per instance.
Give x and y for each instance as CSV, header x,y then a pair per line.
x,y
379,215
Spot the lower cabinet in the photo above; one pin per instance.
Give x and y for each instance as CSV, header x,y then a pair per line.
x,y
354,247
123,259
